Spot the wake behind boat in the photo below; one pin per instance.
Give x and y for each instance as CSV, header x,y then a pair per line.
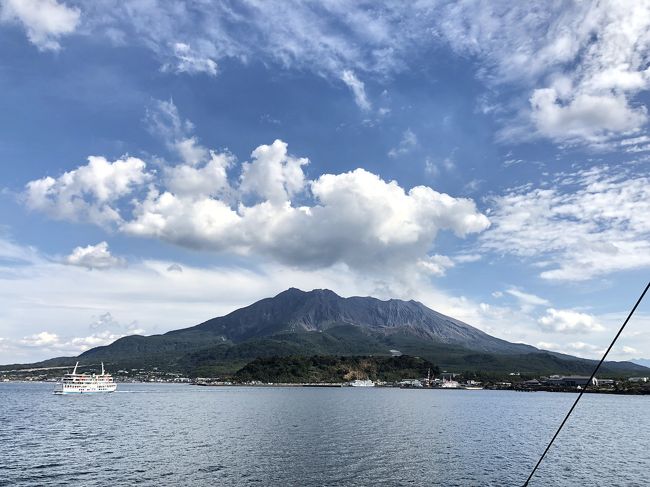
x,y
84,383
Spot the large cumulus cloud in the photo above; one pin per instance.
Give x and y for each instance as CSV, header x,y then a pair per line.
x,y
354,218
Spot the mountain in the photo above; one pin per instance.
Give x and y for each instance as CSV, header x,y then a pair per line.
x,y
641,361
319,322
321,309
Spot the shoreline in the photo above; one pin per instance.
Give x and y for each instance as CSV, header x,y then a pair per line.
x,y
345,385
329,385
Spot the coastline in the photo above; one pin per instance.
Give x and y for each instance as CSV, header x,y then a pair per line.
x,y
327,385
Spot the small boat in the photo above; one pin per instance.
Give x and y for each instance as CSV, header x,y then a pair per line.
x,y
85,383
362,383
450,384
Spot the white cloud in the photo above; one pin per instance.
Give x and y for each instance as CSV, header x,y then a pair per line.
x,y
45,21
527,301
466,258
209,178
473,185
577,60
436,265
433,168
194,222
357,219
104,320
189,61
190,151
94,257
11,252
358,89
326,38
200,171
585,117
88,192
163,119
580,346
635,144
408,142
273,209
273,175
587,224
53,344
578,349
568,321
547,345
430,167
581,63
527,298
630,351
42,339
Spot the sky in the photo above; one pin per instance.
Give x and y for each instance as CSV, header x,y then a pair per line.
x,y
163,163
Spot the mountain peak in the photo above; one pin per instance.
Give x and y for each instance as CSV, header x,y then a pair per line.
x,y
297,291
292,291
295,310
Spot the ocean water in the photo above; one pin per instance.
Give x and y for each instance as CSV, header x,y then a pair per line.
x,y
163,434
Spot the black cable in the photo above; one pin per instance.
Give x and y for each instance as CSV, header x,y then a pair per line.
x,y
588,384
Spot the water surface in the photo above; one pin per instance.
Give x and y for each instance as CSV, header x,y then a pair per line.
x,y
163,434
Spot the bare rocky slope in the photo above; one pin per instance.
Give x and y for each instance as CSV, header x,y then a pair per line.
x,y
321,309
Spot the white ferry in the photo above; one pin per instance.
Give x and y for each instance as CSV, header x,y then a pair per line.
x,y
83,383
362,383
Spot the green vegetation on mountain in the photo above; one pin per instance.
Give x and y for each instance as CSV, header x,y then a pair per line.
x,y
351,341
319,368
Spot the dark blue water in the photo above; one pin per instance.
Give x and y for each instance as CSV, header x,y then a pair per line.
x,y
185,435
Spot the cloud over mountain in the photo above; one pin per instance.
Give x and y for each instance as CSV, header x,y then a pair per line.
x,y
568,321
355,218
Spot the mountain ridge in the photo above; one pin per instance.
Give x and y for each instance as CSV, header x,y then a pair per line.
x,y
320,322
320,309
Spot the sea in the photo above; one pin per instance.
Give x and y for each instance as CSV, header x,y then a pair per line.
x,y
176,434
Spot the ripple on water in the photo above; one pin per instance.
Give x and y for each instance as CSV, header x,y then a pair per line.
x,y
170,434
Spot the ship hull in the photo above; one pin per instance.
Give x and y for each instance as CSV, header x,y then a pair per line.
x,y
66,391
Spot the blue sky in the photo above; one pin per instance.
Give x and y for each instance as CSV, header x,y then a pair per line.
x,y
164,163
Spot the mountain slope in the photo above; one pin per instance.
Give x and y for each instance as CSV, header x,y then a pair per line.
x,y
319,322
318,310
